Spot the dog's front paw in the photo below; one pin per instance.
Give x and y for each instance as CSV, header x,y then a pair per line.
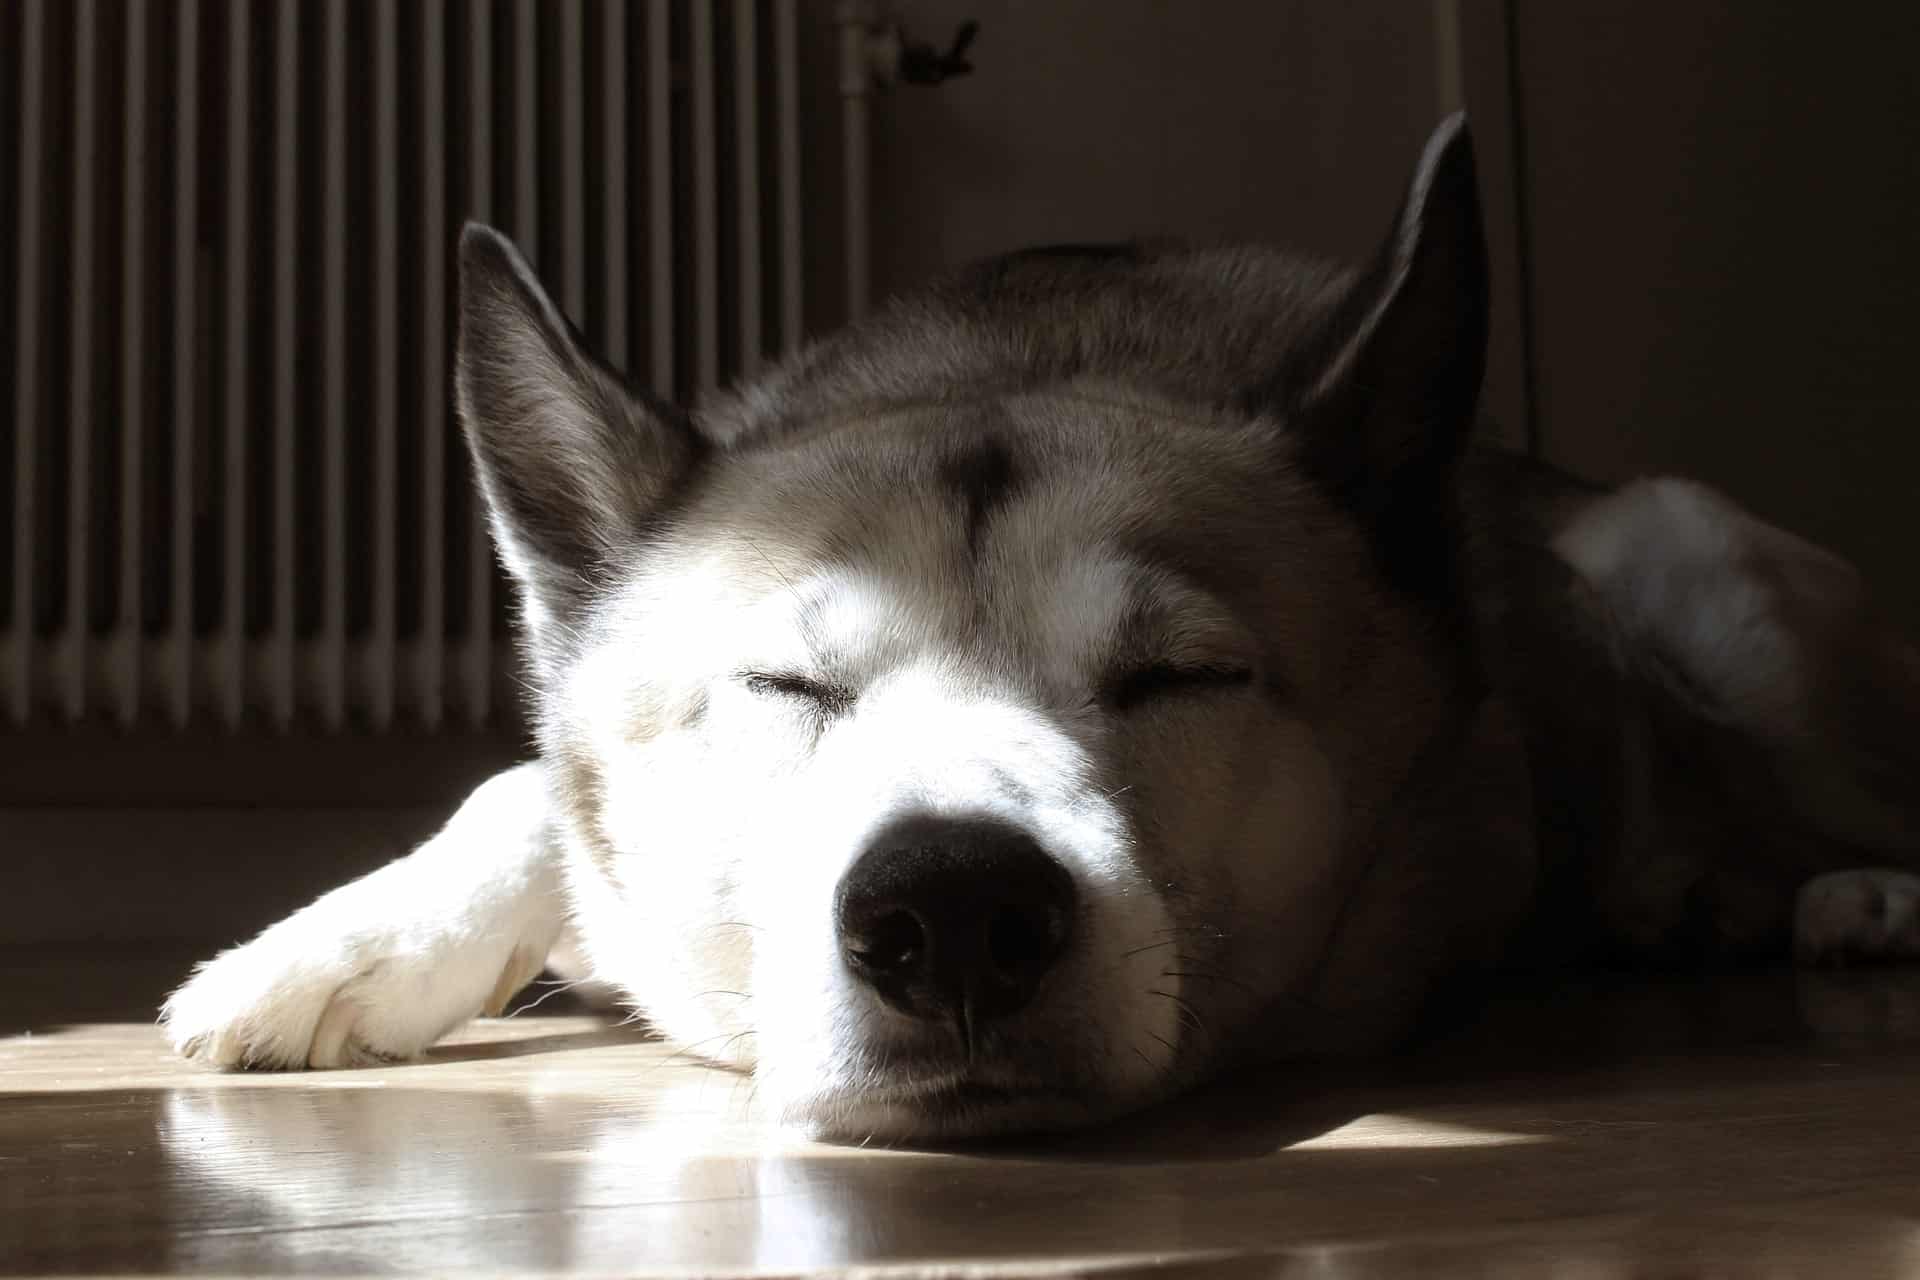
x,y
1869,914
267,1005
380,968
284,1001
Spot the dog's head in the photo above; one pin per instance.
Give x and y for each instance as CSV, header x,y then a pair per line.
x,y
984,721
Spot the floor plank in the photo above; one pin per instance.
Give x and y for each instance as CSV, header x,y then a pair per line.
x,y
1760,1125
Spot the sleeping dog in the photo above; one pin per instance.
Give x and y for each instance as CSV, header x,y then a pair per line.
x,y
1105,667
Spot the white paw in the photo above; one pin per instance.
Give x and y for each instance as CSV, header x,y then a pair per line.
x,y
380,968
290,999
1868,914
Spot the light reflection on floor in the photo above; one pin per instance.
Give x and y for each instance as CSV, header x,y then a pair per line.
x,y
1762,1124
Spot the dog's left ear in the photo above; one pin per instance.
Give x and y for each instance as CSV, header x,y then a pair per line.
x,y
1384,400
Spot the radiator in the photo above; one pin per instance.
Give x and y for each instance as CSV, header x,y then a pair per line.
x,y
237,493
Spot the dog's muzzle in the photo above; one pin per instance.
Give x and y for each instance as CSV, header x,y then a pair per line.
x,y
954,921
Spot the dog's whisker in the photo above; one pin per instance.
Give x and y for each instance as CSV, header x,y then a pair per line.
x,y
733,1040
775,569
1188,1015
554,989
692,1050
1199,976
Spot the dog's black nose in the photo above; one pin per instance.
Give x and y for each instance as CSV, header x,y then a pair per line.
x,y
954,920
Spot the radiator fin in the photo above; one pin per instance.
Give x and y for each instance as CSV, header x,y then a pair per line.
x,y
236,491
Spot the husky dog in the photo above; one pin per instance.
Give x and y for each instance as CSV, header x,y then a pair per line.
x,y
1107,667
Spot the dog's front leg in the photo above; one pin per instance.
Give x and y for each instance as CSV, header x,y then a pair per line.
x,y
381,968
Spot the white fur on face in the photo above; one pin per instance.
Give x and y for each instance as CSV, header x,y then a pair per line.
x,y
730,835
919,746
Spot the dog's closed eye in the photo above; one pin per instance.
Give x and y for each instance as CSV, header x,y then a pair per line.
x,y
823,696
1166,679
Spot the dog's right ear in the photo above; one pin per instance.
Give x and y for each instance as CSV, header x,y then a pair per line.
x,y
574,464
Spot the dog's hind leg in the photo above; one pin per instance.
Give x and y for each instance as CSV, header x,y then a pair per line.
x,y
1866,914
1791,707
379,969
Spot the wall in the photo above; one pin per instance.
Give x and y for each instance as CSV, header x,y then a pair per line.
x,y
1723,202
1103,119
1281,122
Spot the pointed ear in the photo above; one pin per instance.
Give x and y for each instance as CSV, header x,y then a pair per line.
x,y
574,465
1388,399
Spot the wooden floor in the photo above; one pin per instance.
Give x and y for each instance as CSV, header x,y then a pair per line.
x,y
1765,1126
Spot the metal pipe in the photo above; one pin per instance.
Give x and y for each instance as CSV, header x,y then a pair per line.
x,y
186,289
855,20
786,44
123,646
26,373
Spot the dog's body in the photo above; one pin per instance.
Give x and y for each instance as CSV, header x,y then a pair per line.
x,y
1102,669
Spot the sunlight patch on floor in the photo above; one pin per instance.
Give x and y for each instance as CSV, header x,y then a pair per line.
x,y
1380,1131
